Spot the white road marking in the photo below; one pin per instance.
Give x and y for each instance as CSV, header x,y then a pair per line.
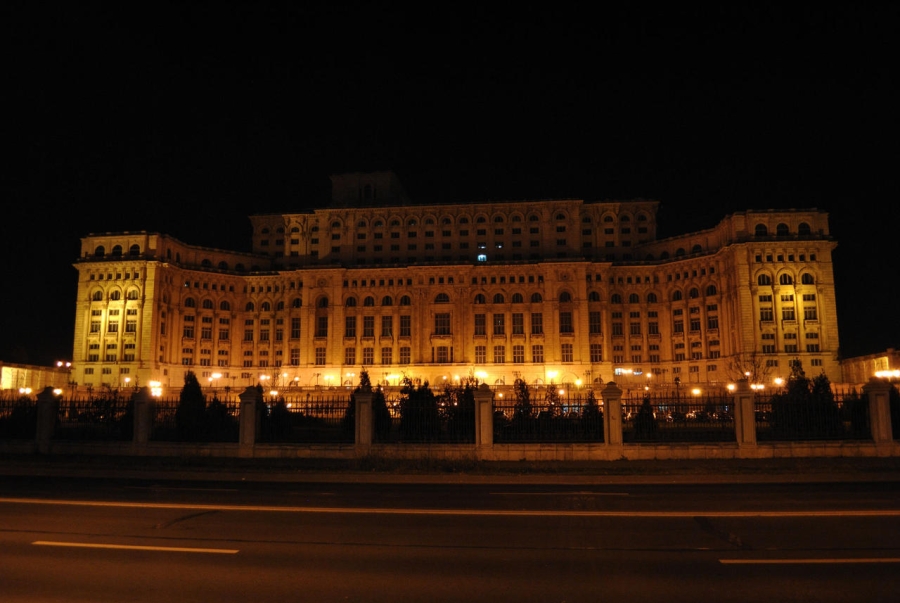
x,y
133,547
478,512
806,561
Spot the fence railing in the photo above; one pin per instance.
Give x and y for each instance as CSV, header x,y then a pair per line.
x,y
572,421
95,419
841,416
675,418
18,418
306,419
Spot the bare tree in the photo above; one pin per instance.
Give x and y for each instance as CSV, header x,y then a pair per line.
x,y
750,366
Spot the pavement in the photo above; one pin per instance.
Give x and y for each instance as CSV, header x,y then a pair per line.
x,y
374,470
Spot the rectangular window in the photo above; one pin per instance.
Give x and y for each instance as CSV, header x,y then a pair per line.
x,y
695,325
480,328
594,323
387,326
350,326
443,354
349,356
634,328
499,322
295,356
499,354
537,353
596,353
617,329
766,315
442,324
809,313
788,314
264,334
480,354
321,326
518,324
518,354
320,356
566,350
368,356
368,326
295,328
404,355
565,322
537,323
712,322
387,355
405,328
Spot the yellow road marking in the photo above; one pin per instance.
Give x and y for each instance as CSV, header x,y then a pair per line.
x,y
134,547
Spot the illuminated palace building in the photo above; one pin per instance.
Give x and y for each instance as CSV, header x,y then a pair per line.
x,y
564,291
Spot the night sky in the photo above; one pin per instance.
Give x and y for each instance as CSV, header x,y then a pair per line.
x,y
185,120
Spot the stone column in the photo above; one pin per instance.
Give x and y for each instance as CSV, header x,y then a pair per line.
x,y
364,427
484,421
744,414
878,393
249,427
144,409
612,414
47,415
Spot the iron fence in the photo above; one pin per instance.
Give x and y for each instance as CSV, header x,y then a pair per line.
x,y
564,419
18,418
828,416
90,418
219,422
678,418
307,420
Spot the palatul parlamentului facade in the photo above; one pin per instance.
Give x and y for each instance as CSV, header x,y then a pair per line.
x,y
562,291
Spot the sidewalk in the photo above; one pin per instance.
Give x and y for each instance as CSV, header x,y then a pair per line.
x,y
788,470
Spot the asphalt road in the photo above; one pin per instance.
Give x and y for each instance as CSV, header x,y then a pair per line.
x,y
116,539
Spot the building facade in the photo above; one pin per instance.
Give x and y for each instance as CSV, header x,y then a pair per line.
x,y
561,291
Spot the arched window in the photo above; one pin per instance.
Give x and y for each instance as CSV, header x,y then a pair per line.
x,y
764,279
615,298
190,302
322,303
664,255
533,218
536,298
240,267
249,307
607,219
116,251
115,295
206,263
265,231
565,297
442,298
361,224
694,293
679,252
479,299
651,298
335,224
405,300
498,219
296,302
634,298
782,230
560,216
498,298
351,302
207,304
369,301
480,220
224,305
677,296
279,306
804,229
807,279
785,279
411,222
132,294
265,307
696,249
711,290
134,250
517,298
223,265
761,230
593,296
387,300
97,296
99,252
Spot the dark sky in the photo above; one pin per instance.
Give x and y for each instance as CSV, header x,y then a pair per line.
x,y
187,119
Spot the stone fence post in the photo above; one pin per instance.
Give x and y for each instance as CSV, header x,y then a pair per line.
x,y
250,420
364,427
484,421
878,392
744,414
144,410
47,414
612,414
